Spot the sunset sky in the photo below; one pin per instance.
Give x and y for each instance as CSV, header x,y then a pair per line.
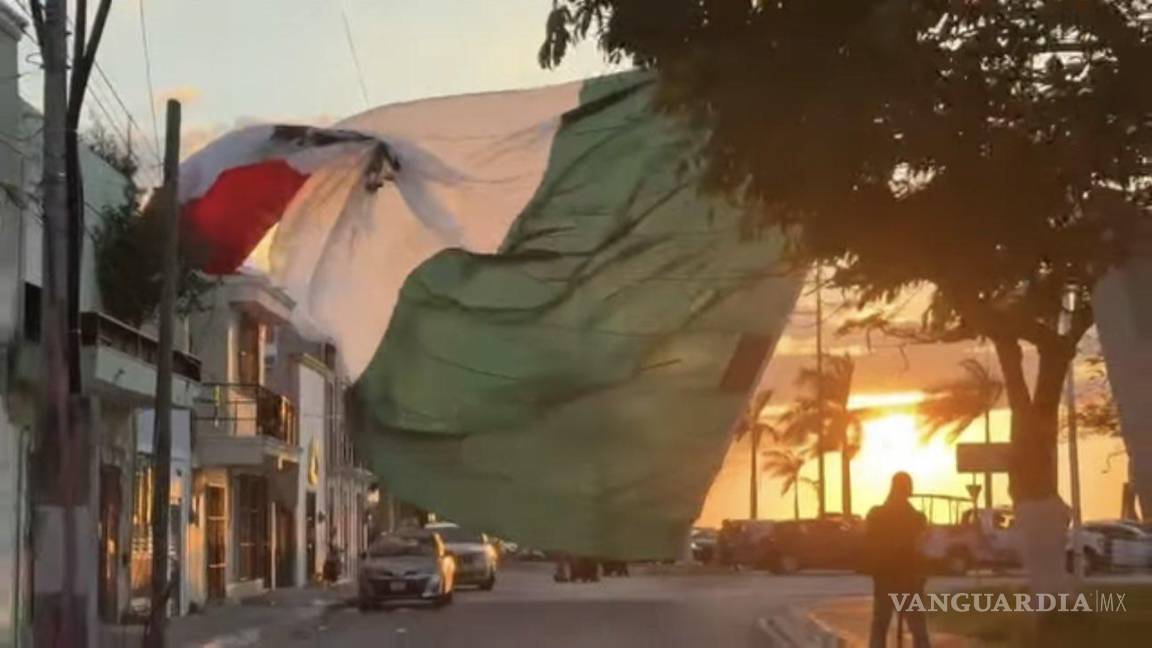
x,y
889,373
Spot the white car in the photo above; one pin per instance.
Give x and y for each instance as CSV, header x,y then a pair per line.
x,y
406,565
476,557
1113,545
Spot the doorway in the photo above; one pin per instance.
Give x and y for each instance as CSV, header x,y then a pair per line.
x,y
285,546
310,537
215,530
110,505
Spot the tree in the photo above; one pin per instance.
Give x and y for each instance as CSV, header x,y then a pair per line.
x,y
995,151
754,425
128,259
786,465
952,406
1099,414
842,428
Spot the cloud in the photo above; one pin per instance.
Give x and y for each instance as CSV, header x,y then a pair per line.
x,y
196,136
186,95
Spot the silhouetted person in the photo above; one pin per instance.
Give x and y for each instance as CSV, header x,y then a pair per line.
x,y
893,532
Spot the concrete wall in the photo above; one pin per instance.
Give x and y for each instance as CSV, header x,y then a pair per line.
x,y
13,519
310,388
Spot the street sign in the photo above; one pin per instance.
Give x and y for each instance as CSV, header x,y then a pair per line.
x,y
983,457
973,491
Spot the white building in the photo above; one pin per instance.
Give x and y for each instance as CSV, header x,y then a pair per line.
x,y
274,481
118,380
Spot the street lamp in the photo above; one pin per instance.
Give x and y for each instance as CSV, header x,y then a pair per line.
x,y
1064,327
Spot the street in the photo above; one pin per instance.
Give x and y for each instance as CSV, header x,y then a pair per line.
x,y
656,607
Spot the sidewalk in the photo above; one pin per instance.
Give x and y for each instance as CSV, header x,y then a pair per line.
x,y
850,620
253,621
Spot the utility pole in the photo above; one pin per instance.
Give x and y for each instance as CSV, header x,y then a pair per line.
x,y
169,211
988,441
820,414
754,482
60,603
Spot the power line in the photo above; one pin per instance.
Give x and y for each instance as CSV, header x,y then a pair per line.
x,y
94,94
148,72
355,55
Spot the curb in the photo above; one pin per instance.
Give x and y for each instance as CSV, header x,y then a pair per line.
x,y
796,627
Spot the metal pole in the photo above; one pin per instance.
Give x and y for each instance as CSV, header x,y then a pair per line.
x,y
1074,466
162,438
821,490
988,475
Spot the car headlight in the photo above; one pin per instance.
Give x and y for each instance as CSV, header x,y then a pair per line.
x,y
433,586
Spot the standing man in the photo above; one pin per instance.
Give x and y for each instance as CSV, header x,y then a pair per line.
x,y
893,532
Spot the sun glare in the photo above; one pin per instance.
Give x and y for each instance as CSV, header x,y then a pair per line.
x,y
893,442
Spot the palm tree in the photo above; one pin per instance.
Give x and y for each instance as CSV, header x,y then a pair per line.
x,y
753,424
825,415
950,407
786,465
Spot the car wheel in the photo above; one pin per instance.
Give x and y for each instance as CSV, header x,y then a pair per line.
x,y
365,604
957,563
489,583
1092,562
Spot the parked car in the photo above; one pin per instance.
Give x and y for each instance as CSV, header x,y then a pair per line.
x,y
980,538
703,545
406,565
1108,545
476,556
738,544
830,542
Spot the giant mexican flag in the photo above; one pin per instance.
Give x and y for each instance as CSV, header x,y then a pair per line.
x,y
551,330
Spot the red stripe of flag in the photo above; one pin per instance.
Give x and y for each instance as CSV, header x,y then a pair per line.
x,y
231,218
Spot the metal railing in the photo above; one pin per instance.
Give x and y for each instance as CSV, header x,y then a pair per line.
x,y
246,410
98,329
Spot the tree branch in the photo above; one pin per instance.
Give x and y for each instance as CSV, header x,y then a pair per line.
x,y
38,20
84,56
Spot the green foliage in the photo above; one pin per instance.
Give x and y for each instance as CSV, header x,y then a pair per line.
x,y
1098,414
127,245
998,151
950,407
800,424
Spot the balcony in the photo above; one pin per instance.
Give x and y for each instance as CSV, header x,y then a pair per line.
x,y
117,361
244,425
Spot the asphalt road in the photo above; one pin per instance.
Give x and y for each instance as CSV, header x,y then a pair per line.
x,y
660,608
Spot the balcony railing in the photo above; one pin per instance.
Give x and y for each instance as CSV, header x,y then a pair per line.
x,y
99,329
246,410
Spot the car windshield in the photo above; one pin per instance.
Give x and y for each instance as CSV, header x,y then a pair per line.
x,y
394,545
458,535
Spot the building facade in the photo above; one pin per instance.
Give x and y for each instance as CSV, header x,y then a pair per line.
x,y
272,502
118,374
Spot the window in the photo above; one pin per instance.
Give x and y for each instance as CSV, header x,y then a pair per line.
x,y
247,350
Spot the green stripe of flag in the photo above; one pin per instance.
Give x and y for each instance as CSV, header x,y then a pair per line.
x,y
576,391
